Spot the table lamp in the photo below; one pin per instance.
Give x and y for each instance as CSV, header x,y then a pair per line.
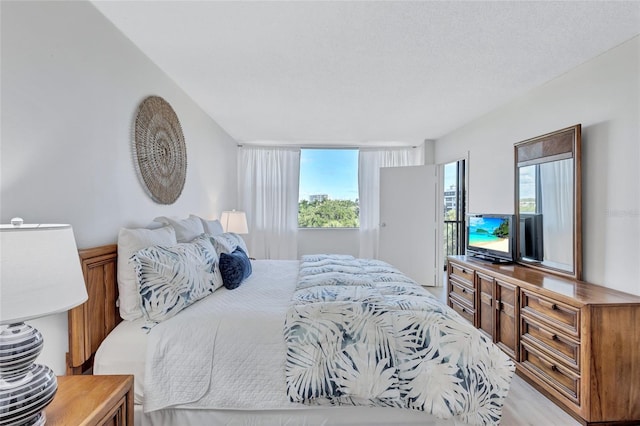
x,y
234,221
40,275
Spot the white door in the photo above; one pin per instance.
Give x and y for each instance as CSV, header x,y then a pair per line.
x,y
407,238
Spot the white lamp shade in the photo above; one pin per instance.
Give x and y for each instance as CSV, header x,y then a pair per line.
x,y
234,221
40,272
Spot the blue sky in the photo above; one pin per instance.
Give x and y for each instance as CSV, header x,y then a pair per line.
x,y
335,172
329,171
450,171
527,182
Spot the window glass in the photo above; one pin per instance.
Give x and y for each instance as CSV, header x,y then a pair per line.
x,y
328,188
529,189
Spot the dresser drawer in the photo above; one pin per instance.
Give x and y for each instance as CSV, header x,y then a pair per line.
x,y
555,313
562,347
463,291
461,272
466,312
561,378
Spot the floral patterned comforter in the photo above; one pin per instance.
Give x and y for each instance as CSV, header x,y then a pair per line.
x,y
359,332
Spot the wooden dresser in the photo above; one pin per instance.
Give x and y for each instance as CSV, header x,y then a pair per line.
x,y
576,342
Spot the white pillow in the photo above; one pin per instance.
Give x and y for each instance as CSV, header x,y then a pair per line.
x,y
172,278
129,242
242,244
186,229
228,242
211,227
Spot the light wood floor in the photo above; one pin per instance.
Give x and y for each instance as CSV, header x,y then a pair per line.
x,y
525,406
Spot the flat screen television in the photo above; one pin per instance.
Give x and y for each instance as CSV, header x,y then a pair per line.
x,y
491,237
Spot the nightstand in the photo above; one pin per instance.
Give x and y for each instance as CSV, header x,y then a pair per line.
x,y
92,400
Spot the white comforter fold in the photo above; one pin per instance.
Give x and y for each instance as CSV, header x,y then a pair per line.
x,y
178,370
226,351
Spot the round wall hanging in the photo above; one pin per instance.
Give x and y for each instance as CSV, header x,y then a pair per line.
x,y
159,151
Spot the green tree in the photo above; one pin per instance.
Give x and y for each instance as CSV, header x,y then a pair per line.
x,y
527,205
328,214
502,231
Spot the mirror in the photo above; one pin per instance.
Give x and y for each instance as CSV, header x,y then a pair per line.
x,y
548,202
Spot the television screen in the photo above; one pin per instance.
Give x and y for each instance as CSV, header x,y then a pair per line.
x,y
490,235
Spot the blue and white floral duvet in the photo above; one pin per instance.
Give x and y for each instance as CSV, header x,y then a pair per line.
x,y
359,332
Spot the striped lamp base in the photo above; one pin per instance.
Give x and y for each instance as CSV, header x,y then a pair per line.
x,y
25,388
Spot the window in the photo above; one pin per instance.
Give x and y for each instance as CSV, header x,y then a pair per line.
x,y
530,189
328,188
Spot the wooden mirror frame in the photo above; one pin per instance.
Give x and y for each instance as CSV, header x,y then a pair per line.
x,y
559,145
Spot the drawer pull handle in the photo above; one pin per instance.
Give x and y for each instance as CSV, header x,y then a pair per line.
x,y
464,291
549,365
548,334
549,305
464,310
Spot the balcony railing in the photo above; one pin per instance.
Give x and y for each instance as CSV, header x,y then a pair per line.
x,y
453,237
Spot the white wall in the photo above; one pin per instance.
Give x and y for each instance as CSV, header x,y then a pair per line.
x,y
603,95
71,84
329,240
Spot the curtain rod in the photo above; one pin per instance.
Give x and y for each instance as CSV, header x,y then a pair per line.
x,y
327,146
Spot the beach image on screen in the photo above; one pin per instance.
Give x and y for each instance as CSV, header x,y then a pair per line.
x,y
489,233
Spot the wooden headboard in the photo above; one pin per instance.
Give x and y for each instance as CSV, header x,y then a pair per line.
x,y
90,322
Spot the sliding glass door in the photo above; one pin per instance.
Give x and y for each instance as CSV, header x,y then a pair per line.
x,y
454,208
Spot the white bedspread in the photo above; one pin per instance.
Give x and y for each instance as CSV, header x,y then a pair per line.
x,y
243,382
194,359
111,358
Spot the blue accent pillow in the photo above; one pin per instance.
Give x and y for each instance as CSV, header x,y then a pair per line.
x,y
235,267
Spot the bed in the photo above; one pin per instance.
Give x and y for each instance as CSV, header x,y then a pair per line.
x,y
231,357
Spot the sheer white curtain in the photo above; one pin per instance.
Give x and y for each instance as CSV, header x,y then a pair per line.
x,y
370,160
556,191
268,180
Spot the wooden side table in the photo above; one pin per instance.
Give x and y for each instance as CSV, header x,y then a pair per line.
x,y
92,400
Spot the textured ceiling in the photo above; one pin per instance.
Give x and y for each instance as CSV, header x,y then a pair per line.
x,y
361,72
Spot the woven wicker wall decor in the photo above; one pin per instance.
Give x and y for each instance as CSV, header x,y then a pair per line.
x,y
159,150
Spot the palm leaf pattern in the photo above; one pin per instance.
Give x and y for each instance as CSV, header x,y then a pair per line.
x,y
358,332
172,278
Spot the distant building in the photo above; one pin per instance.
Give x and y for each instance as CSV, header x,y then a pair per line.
x,y
318,197
450,198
